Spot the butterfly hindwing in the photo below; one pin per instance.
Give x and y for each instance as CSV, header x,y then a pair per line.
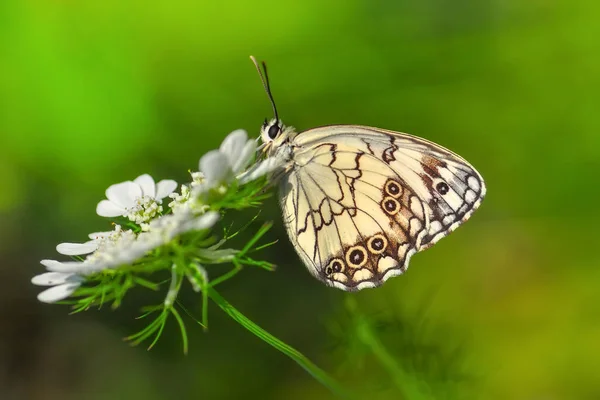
x,y
359,201
354,221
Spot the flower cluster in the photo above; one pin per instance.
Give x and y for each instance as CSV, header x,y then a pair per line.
x,y
143,224
159,232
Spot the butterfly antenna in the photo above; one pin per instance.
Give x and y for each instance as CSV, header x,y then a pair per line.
x,y
264,77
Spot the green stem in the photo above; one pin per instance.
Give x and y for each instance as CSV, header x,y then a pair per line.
x,y
289,351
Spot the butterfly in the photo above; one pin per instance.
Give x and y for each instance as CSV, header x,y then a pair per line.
x,y
359,201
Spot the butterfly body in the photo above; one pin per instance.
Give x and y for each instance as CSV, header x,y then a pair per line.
x,y
358,201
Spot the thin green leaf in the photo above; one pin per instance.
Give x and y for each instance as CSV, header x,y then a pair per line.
x,y
181,327
142,335
263,246
160,330
189,314
228,275
284,348
145,283
244,227
260,233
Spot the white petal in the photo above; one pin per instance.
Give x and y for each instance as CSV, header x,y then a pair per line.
x,y
67,266
264,167
55,278
130,254
124,194
199,191
244,157
146,182
207,220
165,188
107,208
215,166
233,144
57,293
50,263
204,222
77,249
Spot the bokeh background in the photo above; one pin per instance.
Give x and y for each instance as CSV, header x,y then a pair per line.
x,y
507,307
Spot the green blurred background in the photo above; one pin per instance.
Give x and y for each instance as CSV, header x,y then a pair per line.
x,y
93,93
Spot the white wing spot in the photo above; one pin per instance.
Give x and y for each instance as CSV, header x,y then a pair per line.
x,y
470,196
386,263
338,276
415,206
402,249
365,285
435,227
448,219
415,226
473,183
362,275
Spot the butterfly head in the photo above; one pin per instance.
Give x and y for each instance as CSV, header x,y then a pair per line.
x,y
274,134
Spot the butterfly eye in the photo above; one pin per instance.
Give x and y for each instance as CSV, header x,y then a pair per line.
x,y
273,131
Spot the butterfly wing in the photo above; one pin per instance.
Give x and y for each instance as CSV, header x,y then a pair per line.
x,y
359,201
451,187
352,219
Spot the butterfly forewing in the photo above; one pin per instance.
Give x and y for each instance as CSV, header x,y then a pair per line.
x,y
359,201
448,185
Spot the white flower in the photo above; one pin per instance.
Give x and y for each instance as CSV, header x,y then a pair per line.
x,y
169,226
263,168
139,200
181,200
228,162
224,164
77,249
63,285
123,250
113,249
238,149
124,247
197,178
